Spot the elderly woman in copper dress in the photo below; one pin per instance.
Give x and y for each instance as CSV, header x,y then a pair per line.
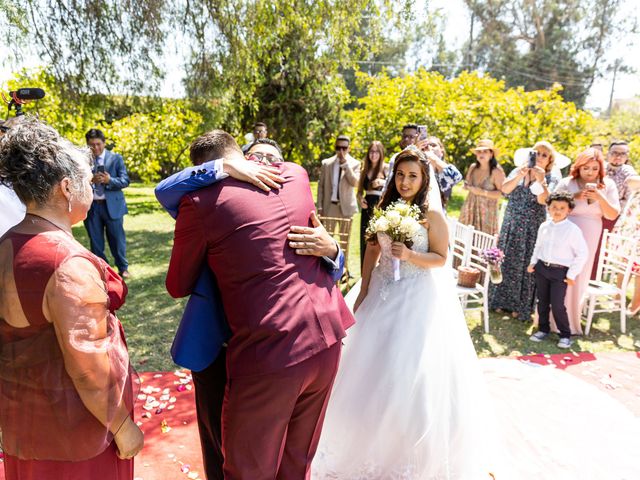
x,y
66,384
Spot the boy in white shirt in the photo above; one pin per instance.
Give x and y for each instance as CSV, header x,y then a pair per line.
x,y
558,257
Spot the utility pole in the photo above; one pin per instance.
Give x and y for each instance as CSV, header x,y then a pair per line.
x,y
470,49
616,66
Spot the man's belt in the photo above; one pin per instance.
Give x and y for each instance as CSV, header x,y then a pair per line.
x,y
553,265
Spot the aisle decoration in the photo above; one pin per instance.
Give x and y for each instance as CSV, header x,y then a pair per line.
x,y
494,257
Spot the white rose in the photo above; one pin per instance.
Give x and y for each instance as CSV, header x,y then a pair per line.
x,y
381,225
394,218
409,227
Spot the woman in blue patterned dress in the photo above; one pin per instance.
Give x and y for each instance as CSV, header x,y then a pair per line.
x,y
527,189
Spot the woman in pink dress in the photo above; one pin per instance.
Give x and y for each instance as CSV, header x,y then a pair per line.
x,y
66,384
596,197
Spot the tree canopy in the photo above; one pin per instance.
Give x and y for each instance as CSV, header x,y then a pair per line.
x,y
535,44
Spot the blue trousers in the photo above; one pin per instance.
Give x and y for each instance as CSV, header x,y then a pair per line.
x,y
97,223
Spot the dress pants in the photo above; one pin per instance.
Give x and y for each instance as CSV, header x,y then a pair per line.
x,y
271,423
551,289
97,222
210,385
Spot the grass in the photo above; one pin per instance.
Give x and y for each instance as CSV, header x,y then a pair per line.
x,y
150,316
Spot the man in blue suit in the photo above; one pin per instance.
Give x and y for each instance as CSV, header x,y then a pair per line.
x,y
109,207
199,342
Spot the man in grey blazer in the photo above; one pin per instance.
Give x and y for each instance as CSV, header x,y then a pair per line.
x,y
339,176
108,209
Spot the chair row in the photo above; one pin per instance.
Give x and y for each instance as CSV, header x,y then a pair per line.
x,y
466,245
608,292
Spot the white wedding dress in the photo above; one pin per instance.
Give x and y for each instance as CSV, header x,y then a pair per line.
x,y
409,400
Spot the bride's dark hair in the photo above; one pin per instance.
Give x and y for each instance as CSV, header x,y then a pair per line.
x,y
391,194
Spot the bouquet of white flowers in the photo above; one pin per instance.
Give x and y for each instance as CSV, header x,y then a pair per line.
x,y
401,222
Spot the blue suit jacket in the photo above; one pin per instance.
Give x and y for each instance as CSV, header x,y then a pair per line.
x,y
114,165
203,328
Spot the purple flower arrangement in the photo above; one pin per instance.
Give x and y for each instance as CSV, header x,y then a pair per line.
x,y
493,256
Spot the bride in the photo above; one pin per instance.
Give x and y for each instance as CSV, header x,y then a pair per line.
x,y
409,400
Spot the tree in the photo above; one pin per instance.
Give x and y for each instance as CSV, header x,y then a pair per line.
x,y
539,43
280,62
152,134
465,109
245,60
90,46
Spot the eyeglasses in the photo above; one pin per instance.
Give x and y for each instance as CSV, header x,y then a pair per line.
x,y
543,154
409,135
618,154
265,158
341,147
432,145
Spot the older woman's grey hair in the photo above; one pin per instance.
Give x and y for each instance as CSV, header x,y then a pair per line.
x,y
34,158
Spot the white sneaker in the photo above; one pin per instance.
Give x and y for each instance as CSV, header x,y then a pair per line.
x,y
538,336
565,343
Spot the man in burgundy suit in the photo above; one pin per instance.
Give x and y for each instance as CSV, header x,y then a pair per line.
x,y
285,313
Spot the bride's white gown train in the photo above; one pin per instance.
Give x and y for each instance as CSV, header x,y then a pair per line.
x,y
409,401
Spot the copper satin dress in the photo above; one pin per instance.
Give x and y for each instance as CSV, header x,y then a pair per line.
x,y
56,368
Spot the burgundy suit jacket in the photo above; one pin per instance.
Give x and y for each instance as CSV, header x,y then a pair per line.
x,y
282,308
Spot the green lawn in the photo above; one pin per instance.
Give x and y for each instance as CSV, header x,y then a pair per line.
x,y
150,315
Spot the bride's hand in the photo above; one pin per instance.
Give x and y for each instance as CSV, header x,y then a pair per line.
x,y
400,250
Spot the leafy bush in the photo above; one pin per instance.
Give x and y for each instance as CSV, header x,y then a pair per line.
x,y
154,145
465,109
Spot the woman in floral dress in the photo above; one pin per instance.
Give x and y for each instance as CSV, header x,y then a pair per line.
x,y
527,189
629,225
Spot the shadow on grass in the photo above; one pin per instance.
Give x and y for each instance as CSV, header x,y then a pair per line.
x,y
141,208
509,336
150,318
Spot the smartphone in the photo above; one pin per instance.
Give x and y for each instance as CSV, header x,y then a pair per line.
x,y
100,169
422,132
590,186
532,159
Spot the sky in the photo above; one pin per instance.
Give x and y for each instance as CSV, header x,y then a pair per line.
x,y
627,85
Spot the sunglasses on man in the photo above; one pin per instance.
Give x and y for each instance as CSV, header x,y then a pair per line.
x,y
264,158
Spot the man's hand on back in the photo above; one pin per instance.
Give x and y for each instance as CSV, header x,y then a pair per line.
x,y
313,240
262,176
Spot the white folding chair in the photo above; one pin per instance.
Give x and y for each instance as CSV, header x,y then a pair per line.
x,y
617,256
460,244
478,296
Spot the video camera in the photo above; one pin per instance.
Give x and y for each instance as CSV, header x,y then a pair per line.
x,y
19,97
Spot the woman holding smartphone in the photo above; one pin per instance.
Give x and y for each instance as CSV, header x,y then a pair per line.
x,y
527,188
596,196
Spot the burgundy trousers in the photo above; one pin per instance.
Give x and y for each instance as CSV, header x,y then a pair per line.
x,y
271,423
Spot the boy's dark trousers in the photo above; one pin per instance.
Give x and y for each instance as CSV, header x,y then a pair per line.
x,y
551,289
